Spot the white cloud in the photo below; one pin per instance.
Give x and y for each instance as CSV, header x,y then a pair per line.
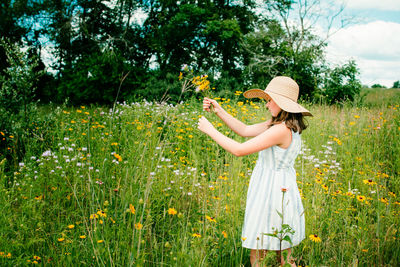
x,y
375,47
391,5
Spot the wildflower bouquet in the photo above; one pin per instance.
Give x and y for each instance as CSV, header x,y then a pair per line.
x,y
200,84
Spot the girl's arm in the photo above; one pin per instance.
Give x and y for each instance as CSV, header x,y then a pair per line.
x,y
237,126
275,135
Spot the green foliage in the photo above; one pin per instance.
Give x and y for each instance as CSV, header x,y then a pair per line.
x,y
377,85
70,201
341,84
95,43
396,84
19,118
94,79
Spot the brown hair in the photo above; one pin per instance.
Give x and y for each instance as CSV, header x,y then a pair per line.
x,y
294,121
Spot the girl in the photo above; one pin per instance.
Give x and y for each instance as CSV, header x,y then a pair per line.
x,y
272,186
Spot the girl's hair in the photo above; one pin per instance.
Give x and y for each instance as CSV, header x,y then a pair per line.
x,y
294,121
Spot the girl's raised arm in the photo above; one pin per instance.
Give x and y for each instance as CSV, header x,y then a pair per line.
x,y
273,136
236,125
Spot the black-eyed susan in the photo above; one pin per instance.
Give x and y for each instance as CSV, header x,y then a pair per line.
x,y
384,200
360,198
37,258
211,219
61,239
196,235
315,238
369,182
82,237
102,213
71,226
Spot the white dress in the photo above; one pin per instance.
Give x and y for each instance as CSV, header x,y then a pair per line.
x,y
273,172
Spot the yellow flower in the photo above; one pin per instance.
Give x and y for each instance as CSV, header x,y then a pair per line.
x,y
225,234
369,182
315,238
37,258
61,239
384,200
244,238
102,214
118,157
196,235
71,226
94,216
82,236
100,241
172,211
138,226
132,208
361,198
211,219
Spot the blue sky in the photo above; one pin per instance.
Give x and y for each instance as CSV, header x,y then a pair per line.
x,y
373,40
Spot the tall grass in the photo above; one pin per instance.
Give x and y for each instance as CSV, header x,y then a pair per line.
x,y
141,186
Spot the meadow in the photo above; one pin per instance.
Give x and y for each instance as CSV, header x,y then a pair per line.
x,y
139,185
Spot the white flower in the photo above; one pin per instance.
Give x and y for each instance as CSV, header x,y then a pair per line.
x,y
47,153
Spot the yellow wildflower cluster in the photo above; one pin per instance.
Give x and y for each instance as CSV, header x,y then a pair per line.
x,y
201,83
5,254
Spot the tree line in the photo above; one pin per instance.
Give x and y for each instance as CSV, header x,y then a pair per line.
x,y
100,49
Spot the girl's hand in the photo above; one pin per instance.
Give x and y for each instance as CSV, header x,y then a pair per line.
x,y
208,102
204,125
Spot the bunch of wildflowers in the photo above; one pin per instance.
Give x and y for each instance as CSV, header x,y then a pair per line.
x,y
189,81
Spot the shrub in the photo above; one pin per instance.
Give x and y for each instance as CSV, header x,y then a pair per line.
x,y
19,121
341,84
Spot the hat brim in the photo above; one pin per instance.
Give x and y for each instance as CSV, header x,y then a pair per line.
x,y
283,102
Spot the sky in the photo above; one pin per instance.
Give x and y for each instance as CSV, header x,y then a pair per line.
x,y
372,40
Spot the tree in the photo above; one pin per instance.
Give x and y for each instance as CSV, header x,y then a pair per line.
x,y
290,44
341,83
377,85
396,84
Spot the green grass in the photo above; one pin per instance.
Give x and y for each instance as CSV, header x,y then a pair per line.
x,y
72,202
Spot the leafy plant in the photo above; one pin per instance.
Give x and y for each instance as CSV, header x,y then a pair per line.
x,y
340,84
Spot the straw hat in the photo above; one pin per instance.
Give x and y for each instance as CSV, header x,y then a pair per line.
x,y
284,91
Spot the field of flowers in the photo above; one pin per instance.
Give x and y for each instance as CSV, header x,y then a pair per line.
x,y
139,185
